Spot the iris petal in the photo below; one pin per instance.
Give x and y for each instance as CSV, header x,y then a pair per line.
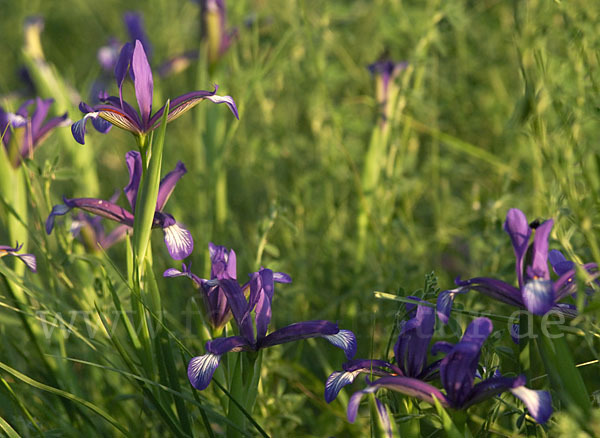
x,y
345,340
539,403
57,210
201,370
538,296
29,260
336,381
179,241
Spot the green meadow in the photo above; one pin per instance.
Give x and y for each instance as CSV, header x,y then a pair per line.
x,y
361,201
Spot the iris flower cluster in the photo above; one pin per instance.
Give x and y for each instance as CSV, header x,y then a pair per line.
x,y
22,132
226,295
457,371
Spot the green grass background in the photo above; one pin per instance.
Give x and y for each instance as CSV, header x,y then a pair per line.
x,y
499,108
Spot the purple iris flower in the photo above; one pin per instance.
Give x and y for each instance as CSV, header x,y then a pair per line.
x,y
223,266
261,285
536,292
385,72
21,132
178,240
28,259
458,371
410,353
214,28
115,111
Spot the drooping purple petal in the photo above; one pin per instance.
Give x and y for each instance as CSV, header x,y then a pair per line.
x,y
405,385
354,402
538,296
343,339
143,82
487,389
133,159
413,341
99,207
539,263
57,210
518,229
201,370
187,101
167,184
179,241
78,128
493,288
29,260
538,403
281,277
336,381
559,263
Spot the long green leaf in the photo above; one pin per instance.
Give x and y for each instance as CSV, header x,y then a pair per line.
x,y
64,394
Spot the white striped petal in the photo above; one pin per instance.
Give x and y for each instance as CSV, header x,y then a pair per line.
x,y
201,370
345,340
179,241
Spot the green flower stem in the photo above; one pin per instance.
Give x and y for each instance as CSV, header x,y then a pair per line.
x,y
244,388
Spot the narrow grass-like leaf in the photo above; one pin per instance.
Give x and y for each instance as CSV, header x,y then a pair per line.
x,y
64,394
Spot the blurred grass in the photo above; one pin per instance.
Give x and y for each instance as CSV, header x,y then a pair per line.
x,y
501,109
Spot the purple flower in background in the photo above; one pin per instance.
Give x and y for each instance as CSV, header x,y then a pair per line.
x,y
536,292
458,371
385,72
115,111
214,28
261,285
28,259
410,352
21,132
223,266
178,240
